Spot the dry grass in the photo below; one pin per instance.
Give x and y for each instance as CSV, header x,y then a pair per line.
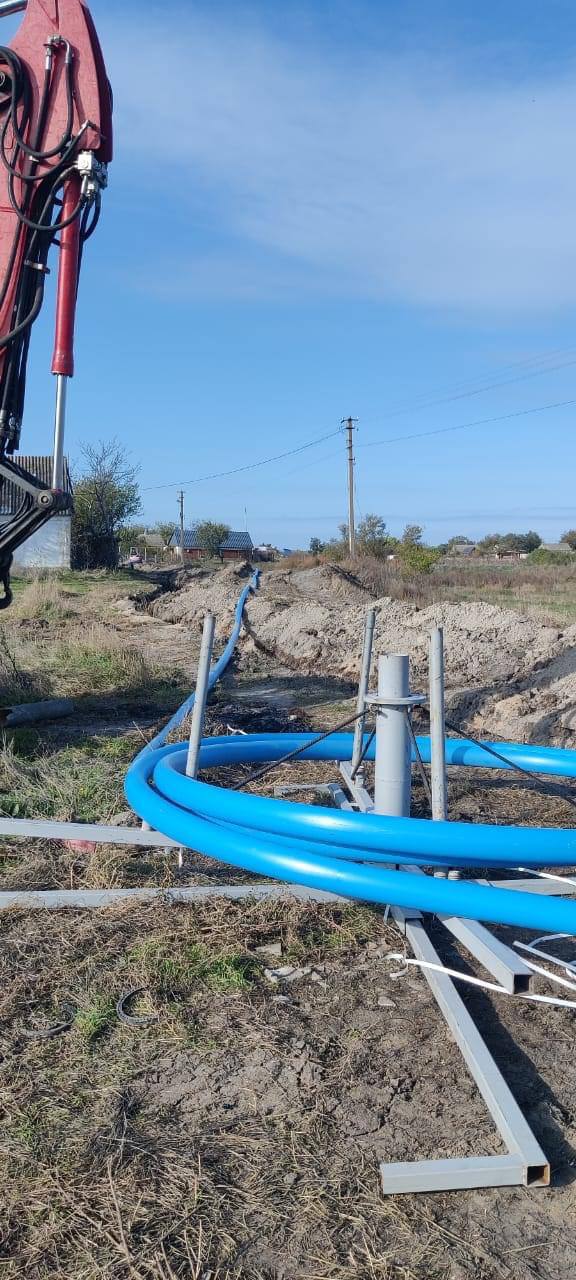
x,y
103,1187
76,783
80,658
45,599
98,660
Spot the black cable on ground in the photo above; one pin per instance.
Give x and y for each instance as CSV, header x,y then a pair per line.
x,y
418,758
491,751
291,755
364,753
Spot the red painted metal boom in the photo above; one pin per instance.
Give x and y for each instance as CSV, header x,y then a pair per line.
x,y
55,146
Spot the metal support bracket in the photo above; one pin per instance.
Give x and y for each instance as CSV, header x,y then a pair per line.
x,y
525,1163
356,788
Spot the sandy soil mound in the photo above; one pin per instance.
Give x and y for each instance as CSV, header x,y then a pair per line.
x,y
483,642
505,673
204,591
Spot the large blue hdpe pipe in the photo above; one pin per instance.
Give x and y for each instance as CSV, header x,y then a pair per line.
x,y
341,851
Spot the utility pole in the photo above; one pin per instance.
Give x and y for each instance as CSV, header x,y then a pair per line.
x,y
349,424
181,505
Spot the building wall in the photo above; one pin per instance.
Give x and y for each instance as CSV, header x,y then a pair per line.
x,y
194,553
236,555
48,548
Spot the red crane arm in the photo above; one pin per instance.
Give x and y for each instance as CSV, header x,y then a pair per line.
x,y
55,145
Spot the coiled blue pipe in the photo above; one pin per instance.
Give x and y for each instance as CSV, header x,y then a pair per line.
x,y
343,852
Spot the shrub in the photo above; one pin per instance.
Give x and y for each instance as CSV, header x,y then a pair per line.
x,y
541,556
416,559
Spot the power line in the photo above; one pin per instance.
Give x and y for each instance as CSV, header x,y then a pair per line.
x,y
488,387
249,466
464,426
423,403
336,453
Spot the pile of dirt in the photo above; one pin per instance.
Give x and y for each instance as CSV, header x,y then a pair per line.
x,y
200,591
505,673
483,642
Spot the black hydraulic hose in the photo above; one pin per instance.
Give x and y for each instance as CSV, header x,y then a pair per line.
x,y
54,227
30,318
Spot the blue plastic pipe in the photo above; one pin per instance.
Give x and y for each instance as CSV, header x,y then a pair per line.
x,y
344,852
216,672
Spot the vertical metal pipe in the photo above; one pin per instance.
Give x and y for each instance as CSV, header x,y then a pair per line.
x,y
59,427
393,768
437,726
201,695
363,690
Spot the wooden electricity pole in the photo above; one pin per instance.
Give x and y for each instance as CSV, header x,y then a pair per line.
x,y
181,505
349,424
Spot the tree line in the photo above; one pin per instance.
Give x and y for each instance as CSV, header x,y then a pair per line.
x,y
106,501
374,539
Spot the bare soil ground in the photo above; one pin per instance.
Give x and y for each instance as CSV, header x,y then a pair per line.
x,y
237,1136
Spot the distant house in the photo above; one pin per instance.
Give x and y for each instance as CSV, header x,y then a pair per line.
x,y
463,549
192,548
150,544
559,548
237,546
50,546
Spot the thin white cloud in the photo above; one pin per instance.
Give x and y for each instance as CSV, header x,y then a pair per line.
x,y
401,181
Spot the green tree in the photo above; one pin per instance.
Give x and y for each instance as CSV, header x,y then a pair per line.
x,y
531,540
570,538
165,529
211,534
316,546
415,559
106,499
371,536
511,541
412,535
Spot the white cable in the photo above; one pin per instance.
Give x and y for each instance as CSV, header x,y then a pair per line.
x,y
488,986
545,875
567,965
552,977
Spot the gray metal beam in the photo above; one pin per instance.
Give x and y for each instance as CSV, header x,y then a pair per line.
x,y
501,961
452,1175
357,790
58,899
511,1124
553,888
95,833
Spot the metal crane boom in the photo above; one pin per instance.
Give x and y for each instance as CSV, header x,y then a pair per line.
x,y
55,147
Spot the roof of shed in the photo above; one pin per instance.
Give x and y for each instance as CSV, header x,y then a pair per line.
x,y
237,542
191,542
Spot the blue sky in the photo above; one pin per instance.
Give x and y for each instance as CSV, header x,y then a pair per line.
x,y
330,208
